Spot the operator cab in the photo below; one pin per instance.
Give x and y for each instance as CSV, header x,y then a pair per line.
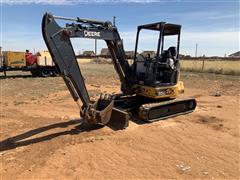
x,y
162,68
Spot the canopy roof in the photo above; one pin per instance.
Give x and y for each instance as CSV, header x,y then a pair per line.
x,y
169,29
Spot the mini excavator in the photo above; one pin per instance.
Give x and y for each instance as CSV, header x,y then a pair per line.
x,y
149,86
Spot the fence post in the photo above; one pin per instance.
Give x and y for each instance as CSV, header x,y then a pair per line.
x,y
203,63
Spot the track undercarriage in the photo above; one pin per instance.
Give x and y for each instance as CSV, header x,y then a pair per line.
x,y
126,108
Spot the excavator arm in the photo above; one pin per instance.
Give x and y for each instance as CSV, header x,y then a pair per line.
x,y
58,41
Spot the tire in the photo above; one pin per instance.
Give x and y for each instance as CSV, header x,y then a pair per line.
x,y
46,73
54,72
35,73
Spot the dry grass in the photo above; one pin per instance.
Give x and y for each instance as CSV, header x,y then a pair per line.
x,y
84,60
212,66
227,67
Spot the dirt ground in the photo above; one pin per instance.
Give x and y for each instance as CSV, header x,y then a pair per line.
x,y
42,137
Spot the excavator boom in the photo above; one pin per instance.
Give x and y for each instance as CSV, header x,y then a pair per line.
x,y
59,44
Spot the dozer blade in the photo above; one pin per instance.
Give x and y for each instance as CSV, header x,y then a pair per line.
x,y
162,110
119,119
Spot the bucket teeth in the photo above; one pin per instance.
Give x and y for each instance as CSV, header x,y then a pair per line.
x,y
106,97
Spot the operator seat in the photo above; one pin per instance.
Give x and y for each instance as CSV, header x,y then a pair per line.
x,y
169,65
172,52
169,58
174,63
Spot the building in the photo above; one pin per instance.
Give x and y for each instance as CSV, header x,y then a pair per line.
x,y
88,53
235,55
129,54
149,53
105,52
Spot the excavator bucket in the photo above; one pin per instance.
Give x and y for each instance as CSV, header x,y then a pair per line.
x,y
99,112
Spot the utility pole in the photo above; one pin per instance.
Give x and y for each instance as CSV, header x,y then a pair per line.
x,y
1,57
114,18
196,50
95,47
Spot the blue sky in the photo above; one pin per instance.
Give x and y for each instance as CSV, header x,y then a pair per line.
x,y
214,25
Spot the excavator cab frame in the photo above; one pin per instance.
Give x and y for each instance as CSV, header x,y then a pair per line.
x,y
160,71
165,29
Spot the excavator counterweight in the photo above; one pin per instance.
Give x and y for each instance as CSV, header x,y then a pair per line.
x,y
149,86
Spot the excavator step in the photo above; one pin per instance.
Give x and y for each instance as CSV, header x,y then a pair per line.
x,y
161,110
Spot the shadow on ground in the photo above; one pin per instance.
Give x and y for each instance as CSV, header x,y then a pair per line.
x,y
25,139
22,139
17,76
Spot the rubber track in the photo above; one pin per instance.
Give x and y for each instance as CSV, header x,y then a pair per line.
x,y
145,109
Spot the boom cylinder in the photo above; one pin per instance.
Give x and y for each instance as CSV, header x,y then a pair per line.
x,y
81,20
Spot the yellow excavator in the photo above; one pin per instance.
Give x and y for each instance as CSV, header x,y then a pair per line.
x,y
149,85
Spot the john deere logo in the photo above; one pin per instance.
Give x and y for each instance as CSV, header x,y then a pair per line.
x,y
91,34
